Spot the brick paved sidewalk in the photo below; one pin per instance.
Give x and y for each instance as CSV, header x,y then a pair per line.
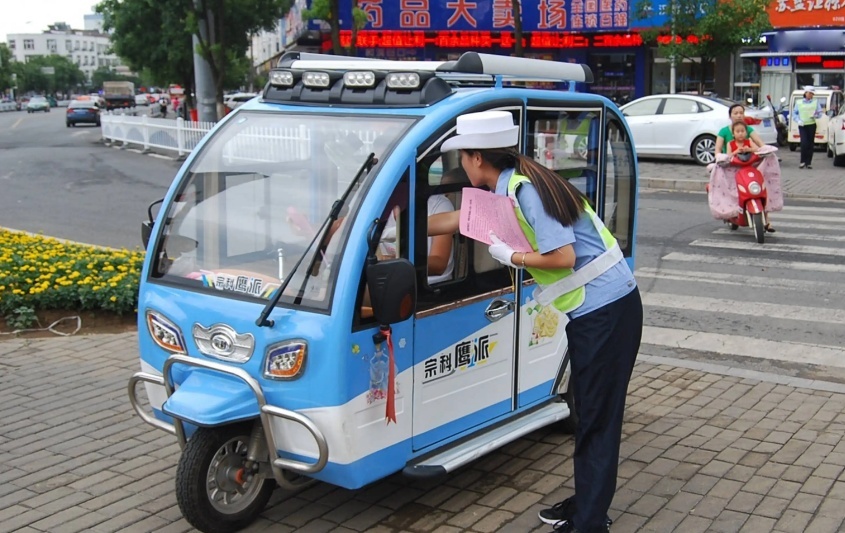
x,y
823,181
706,448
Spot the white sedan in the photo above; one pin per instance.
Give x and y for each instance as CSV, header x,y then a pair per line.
x,y
836,138
685,125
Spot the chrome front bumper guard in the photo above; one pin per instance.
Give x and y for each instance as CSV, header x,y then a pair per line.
x,y
177,428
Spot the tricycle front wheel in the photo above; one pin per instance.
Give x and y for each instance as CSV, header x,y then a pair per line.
x,y
216,490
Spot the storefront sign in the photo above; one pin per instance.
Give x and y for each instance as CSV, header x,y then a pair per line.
x,y
490,15
485,39
806,13
817,62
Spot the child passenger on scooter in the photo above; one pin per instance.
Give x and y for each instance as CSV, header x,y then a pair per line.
x,y
740,144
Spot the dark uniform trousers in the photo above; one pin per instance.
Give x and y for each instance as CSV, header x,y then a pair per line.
x,y
603,345
808,142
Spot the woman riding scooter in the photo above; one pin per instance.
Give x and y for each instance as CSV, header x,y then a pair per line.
x,y
736,112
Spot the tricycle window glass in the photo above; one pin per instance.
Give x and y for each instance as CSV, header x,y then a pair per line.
x,y
258,194
565,141
620,186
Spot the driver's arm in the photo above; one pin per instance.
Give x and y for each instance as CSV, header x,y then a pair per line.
x,y
444,223
755,139
720,144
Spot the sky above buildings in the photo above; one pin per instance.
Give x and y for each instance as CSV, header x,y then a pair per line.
x,y
33,16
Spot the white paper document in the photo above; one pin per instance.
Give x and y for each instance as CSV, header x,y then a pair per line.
x,y
483,212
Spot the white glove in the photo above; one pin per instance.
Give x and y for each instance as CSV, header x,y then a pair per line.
x,y
389,234
501,252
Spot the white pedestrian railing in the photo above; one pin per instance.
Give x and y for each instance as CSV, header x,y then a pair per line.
x,y
8,106
180,136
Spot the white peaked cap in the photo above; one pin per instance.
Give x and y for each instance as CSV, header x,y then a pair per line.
x,y
809,89
488,129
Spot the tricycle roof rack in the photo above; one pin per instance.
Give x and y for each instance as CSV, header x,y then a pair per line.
x,y
305,78
473,63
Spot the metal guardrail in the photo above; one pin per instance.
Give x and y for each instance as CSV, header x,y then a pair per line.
x,y
180,136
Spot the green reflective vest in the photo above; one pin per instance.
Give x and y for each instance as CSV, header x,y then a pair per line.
x,y
545,277
806,110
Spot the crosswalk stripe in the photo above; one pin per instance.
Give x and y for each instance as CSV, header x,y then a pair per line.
x,y
724,306
760,262
814,209
750,244
788,235
795,225
814,218
720,278
745,346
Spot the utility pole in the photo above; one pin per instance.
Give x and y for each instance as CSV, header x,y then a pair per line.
x,y
203,79
672,68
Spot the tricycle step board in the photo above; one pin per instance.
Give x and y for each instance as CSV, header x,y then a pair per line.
x,y
465,451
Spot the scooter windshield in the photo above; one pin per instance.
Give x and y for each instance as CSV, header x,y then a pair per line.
x,y
255,197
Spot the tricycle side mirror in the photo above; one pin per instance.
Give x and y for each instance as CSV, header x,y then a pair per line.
x,y
146,232
393,290
147,225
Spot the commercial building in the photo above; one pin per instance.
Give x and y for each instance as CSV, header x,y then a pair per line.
x,y
89,49
807,47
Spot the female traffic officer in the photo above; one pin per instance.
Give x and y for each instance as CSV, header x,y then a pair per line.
x,y
580,268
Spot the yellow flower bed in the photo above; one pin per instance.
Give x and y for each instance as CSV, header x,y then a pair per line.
x,y
39,273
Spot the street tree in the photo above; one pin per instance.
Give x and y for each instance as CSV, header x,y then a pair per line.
x,y
5,68
328,11
151,37
228,26
702,30
33,75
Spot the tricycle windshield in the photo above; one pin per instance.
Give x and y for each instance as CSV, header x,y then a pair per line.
x,y
256,196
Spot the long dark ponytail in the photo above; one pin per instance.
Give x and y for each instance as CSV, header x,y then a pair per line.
x,y
561,200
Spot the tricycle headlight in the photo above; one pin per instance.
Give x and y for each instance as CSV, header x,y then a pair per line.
x,y
285,360
164,332
754,188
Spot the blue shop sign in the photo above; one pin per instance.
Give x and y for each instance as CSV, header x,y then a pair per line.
x,y
491,15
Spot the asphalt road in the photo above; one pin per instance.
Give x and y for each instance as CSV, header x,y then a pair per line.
x,y
696,275
63,182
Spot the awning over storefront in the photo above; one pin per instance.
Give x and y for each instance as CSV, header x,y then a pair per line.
x,y
840,53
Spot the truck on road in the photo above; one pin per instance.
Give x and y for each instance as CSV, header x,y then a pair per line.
x,y
119,94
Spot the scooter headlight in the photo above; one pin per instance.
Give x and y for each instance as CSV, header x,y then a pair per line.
x,y
754,188
165,333
285,360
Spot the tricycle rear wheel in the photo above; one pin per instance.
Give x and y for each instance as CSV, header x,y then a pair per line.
x,y
214,489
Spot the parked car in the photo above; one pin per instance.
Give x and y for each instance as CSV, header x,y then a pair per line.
x,y
37,103
234,101
836,137
684,125
82,112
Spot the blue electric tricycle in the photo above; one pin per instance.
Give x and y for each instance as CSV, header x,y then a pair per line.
x,y
283,342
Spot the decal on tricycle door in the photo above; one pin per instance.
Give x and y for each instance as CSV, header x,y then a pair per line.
x,y
466,355
546,320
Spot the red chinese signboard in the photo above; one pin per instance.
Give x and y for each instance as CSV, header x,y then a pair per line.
x,y
806,13
486,39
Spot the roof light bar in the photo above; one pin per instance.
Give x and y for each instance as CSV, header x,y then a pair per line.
x,y
403,80
281,78
362,78
315,79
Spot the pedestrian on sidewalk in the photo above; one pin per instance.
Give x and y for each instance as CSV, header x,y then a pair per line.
x,y
578,265
805,114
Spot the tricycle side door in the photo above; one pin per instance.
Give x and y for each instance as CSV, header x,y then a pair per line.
x,y
464,358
